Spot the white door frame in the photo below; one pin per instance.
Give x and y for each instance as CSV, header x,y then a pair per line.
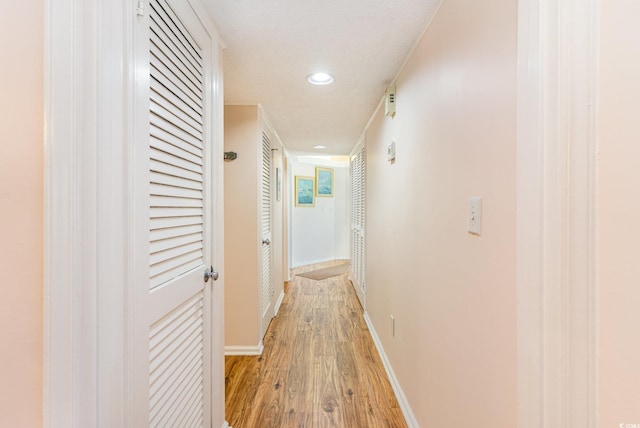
x,y
88,102
77,257
556,213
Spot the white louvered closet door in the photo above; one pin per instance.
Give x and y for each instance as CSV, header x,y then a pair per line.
x,y
267,289
171,346
358,192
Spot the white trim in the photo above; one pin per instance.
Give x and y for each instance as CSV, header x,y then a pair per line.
x,y
244,350
278,303
407,412
556,213
313,262
88,102
362,139
358,289
70,311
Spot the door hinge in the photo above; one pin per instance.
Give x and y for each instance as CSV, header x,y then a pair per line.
x,y
140,8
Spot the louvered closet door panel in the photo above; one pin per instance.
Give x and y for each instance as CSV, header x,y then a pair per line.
x,y
176,362
175,306
358,192
267,284
176,142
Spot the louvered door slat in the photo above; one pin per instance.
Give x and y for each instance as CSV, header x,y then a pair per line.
x,y
159,257
170,159
170,348
179,152
168,138
174,191
161,91
176,374
174,41
173,62
174,115
175,130
175,242
171,79
163,78
191,48
175,181
170,171
166,267
167,201
168,222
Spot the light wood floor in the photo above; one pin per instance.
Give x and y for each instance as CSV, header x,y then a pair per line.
x,y
319,367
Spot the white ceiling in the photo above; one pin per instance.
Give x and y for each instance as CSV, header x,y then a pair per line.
x,y
272,45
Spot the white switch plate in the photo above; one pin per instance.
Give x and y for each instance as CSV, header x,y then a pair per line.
x,y
391,151
475,215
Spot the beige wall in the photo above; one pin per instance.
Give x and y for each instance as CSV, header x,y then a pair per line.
x,y
21,213
619,205
453,294
243,125
241,226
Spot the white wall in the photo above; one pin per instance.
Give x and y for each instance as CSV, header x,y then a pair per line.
x,y
342,218
320,233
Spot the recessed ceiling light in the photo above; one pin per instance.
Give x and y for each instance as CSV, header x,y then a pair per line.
x,y
319,147
320,78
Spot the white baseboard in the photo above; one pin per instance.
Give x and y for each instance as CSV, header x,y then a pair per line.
x,y
313,262
244,350
359,291
402,399
278,303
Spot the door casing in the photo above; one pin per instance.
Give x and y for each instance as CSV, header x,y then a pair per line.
x,y
89,102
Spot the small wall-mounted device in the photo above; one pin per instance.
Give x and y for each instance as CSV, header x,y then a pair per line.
x,y
474,223
390,100
391,151
229,156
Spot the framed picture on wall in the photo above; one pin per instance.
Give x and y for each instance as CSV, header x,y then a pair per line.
x,y
304,191
324,182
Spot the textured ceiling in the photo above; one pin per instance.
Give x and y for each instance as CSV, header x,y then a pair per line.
x,y
272,45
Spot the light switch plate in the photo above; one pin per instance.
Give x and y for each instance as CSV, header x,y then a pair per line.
x,y
475,215
391,151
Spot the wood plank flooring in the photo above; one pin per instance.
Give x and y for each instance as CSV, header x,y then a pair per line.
x,y
319,367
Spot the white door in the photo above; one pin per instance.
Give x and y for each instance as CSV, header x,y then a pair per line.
x,y
267,303
358,194
172,230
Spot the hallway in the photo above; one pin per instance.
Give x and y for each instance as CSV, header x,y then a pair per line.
x,y
319,366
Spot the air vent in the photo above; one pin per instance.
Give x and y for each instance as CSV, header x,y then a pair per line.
x,y
390,101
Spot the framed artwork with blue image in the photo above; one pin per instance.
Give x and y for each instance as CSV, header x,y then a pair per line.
x,y
324,182
304,191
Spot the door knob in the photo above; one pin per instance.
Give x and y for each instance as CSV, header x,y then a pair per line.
x,y
266,241
210,273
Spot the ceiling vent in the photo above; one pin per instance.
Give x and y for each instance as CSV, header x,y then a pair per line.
x,y
390,100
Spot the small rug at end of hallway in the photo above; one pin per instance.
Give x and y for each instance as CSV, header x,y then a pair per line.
x,y
320,274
